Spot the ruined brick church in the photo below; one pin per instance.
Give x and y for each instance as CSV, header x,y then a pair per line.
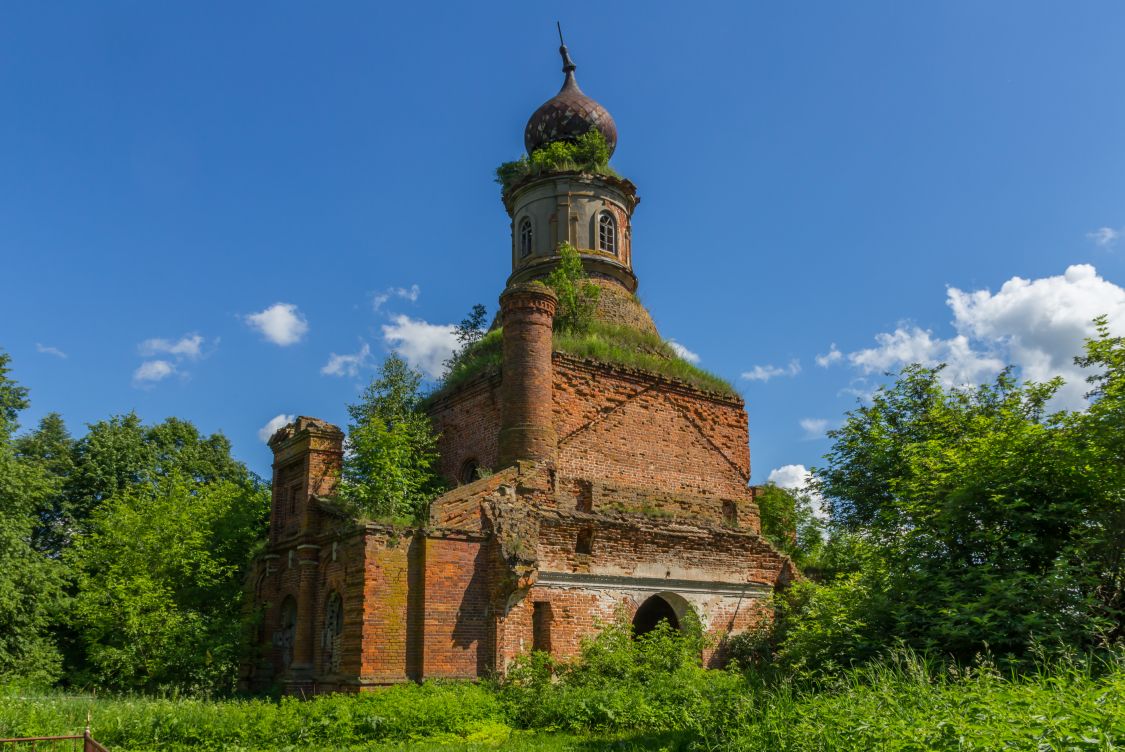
x,y
615,492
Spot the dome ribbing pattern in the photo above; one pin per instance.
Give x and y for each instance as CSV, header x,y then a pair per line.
x,y
568,114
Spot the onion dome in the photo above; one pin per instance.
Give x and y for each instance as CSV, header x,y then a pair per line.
x,y
568,114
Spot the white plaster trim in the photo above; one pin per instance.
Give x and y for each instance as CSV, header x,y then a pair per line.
x,y
651,584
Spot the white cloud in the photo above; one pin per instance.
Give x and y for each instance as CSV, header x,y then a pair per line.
x,y
683,352
347,365
48,350
189,346
281,324
1037,325
814,428
406,293
152,371
832,356
797,478
910,344
1104,236
425,346
276,422
765,373
1043,323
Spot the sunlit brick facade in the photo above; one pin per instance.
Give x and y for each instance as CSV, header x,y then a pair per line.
x,y
610,492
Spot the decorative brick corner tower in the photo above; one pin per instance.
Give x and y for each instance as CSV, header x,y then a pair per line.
x,y
527,426
582,490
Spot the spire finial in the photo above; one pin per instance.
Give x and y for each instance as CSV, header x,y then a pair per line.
x,y
568,64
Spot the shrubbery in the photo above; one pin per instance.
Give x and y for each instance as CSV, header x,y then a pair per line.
x,y
588,153
644,693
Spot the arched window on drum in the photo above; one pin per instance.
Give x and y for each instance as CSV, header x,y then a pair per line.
x,y
607,233
526,238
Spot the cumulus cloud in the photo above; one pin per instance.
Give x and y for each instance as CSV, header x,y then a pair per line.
x,y
189,346
797,478
276,422
282,324
1104,237
406,293
814,428
48,350
1037,325
683,352
910,344
347,365
832,356
152,371
423,345
765,373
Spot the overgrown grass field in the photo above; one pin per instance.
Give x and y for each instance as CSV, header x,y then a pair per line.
x,y
647,696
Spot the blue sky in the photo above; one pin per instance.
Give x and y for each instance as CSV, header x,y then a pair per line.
x,y
880,180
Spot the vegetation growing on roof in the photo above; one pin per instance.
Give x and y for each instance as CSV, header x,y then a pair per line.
x,y
588,153
577,295
632,348
608,343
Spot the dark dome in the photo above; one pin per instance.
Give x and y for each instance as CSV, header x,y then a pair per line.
x,y
567,115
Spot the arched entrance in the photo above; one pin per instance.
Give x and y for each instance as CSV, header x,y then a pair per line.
x,y
653,611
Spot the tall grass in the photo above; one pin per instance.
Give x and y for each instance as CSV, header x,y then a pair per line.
x,y
635,694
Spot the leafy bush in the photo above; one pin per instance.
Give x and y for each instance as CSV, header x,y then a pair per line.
x,y
637,694
389,472
588,153
577,295
159,581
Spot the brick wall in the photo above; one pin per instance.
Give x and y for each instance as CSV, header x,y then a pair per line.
x,y
647,443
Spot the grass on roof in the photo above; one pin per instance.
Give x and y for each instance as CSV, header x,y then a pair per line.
x,y
625,346
608,343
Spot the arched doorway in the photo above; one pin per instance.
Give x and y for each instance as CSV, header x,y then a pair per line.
x,y
653,611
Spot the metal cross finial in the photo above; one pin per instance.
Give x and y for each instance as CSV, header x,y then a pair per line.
x,y
568,64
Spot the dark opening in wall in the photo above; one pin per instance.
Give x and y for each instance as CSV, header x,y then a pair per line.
x,y
585,544
652,612
541,626
585,496
730,514
468,471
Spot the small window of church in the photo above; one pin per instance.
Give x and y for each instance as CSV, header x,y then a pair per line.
x,y
525,237
585,543
607,233
469,471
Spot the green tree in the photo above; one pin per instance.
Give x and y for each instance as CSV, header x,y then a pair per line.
x,y
389,470
51,448
121,452
578,296
973,504
31,585
1100,431
469,332
789,522
160,575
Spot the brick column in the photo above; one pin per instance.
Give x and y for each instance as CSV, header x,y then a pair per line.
x,y
308,561
527,427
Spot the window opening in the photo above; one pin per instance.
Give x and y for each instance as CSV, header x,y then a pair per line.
x,y
585,544
287,626
541,626
607,233
585,496
525,237
333,629
469,471
730,514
